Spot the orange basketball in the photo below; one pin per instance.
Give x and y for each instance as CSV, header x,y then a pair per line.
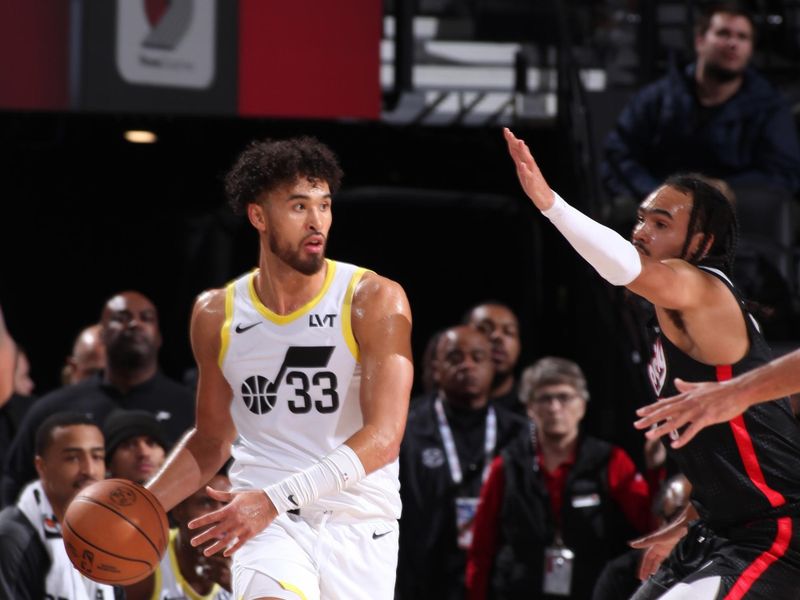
x,y
115,532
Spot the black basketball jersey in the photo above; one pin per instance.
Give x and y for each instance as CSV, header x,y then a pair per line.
x,y
748,467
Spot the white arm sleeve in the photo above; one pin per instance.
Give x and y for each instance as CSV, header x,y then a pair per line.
x,y
337,471
611,255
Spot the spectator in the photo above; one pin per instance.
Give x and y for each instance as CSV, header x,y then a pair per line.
x,y
554,510
132,379
499,323
184,572
33,559
136,445
718,116
88,356
444,457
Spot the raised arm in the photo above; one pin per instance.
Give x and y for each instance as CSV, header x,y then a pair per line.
x,y
703,404
672,283
202,451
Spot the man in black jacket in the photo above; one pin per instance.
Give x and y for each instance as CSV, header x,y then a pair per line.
x,y
445,455
131,380
33,560
718,116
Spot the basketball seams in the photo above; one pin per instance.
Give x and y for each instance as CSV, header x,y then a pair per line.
x,y
119,514
117,556
159,510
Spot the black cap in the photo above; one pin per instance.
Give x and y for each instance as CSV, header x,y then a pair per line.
x,y
122,425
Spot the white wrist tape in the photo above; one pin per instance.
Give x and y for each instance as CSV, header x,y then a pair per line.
x,y
334,473
614,257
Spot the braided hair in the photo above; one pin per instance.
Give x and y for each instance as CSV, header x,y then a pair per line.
x,y
713,214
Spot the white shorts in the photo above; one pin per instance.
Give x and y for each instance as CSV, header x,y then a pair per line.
x,y
318,558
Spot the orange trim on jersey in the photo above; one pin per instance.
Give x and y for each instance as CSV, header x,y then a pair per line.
x,y
225,334
347,307
762,563
284,319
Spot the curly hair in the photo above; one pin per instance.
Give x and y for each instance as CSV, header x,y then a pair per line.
x,y
713,214
264,165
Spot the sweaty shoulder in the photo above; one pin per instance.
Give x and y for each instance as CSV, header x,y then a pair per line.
x,y
208,316
377,296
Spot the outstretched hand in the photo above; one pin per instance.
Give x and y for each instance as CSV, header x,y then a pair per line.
x,y
245,515
530,177
698,405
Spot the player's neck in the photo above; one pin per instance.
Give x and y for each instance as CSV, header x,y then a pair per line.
x,y
282,288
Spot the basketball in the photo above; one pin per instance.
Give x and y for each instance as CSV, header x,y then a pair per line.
x,y
115,532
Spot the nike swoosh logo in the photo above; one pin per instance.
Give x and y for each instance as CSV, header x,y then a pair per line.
x,y
376,535
240,329
292,500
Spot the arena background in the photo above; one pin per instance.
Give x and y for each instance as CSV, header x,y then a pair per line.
x,y
430,197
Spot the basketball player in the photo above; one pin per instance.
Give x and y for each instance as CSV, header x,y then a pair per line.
x,y
305,370
743,473
703,404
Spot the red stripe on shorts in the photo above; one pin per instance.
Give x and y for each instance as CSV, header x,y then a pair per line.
x,y
759,565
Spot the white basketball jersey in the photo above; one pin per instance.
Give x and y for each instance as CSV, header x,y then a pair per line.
x,y
170,584
296,380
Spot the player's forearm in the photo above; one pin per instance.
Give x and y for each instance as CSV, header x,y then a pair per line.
x,y
611,255
192,463
776,379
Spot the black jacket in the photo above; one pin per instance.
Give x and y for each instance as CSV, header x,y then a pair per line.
x,y
23,558
749,140
593,525
430,564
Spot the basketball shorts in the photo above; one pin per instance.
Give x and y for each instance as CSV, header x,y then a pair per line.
x,y
317,557
757,561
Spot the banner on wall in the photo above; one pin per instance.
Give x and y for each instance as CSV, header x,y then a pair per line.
x,y
268,58
177,56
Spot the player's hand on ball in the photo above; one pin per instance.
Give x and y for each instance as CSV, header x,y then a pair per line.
x,y
245,514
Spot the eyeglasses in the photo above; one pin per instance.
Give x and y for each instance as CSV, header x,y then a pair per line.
x,y
562,398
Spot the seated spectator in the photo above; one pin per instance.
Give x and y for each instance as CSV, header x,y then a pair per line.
x,y
33,560
185,573
132,379
718,116
136,445
444,458
556,508
499,323
88,356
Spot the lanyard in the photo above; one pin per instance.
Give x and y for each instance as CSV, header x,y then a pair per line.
x,y
489,442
